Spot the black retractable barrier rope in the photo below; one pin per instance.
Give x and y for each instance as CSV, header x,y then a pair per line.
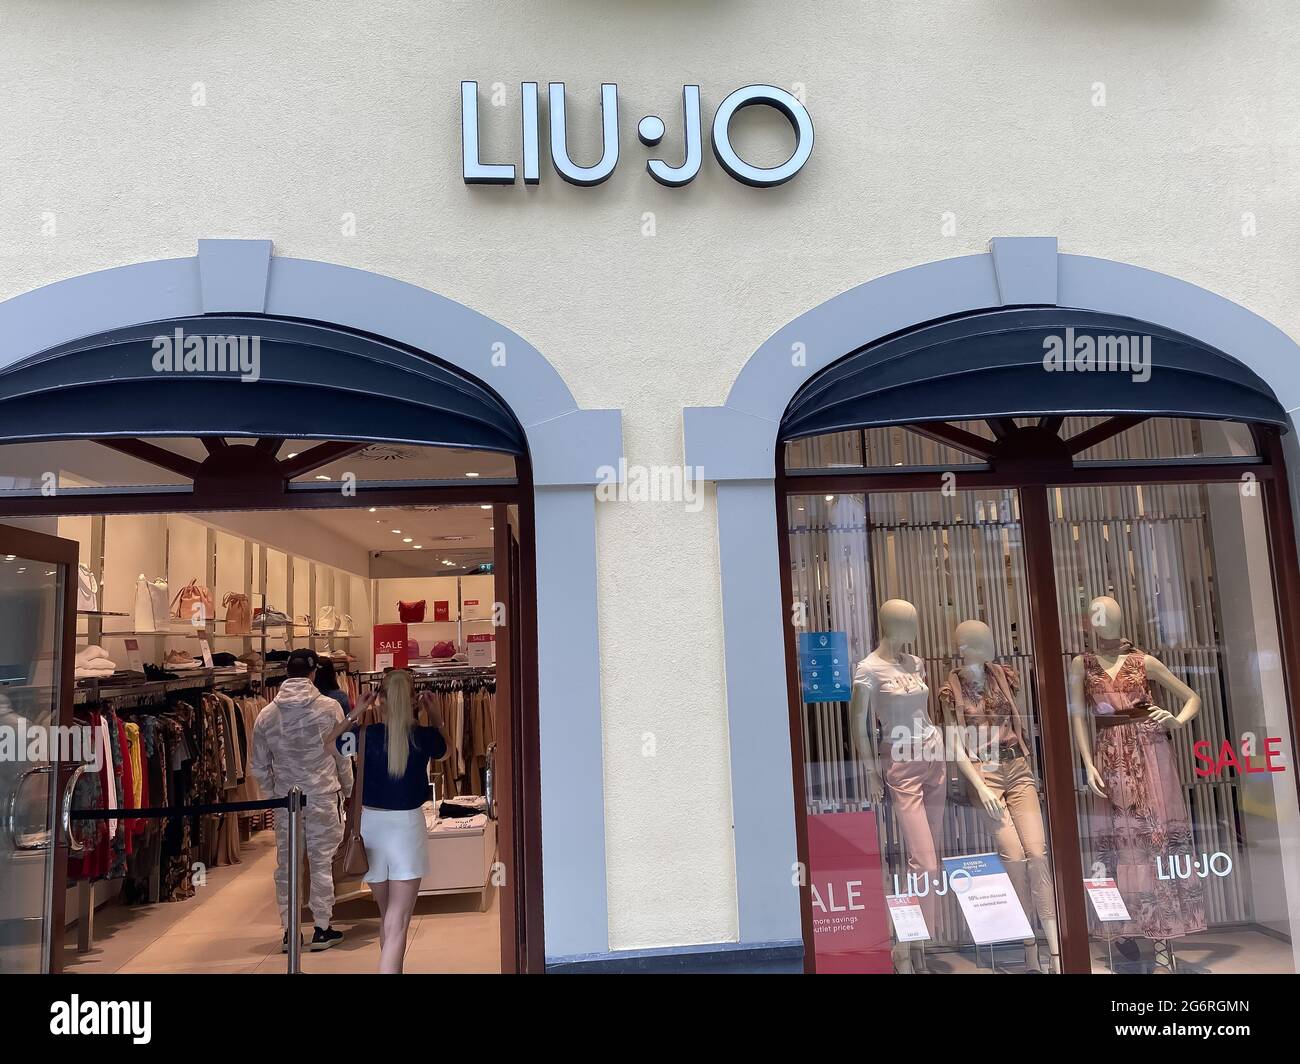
x,y
293,802
162,812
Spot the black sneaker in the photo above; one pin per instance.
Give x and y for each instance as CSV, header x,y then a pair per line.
x,y
284,942
324,938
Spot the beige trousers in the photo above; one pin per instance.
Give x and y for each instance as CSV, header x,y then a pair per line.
x,y
1022,843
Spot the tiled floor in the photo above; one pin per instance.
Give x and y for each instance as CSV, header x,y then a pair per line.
x,y
231,926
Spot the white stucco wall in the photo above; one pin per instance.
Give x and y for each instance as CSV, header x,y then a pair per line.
x,y
981,108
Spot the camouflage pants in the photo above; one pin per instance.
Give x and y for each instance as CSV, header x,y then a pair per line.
x,y
322,832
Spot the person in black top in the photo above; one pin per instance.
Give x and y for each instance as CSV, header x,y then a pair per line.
x,y
397,754
327,683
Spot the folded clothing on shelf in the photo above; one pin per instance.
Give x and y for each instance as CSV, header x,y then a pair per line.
x,y
93,662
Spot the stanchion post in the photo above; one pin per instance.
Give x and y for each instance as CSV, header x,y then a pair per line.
x,y
293,911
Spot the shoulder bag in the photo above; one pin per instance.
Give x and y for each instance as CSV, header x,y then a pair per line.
x,y
351,861
411,612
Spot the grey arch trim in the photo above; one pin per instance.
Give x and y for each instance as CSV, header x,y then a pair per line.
x,y
735,446
567,447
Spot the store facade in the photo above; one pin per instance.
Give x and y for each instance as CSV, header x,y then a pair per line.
x,y
618,312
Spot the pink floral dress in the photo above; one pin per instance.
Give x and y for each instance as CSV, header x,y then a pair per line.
x,y
1147,822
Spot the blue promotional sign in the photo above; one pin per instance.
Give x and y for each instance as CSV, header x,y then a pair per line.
x,y
824,666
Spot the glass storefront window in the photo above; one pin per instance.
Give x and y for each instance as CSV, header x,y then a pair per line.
x,y
977,664
1187,807
927,835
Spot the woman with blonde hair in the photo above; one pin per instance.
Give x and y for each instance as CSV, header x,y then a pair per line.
x,y
397,756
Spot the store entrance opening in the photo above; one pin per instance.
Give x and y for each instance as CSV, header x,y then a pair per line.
x,y
184,592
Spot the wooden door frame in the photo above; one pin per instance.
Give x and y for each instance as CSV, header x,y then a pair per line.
x,y
1033,485
39,546
526,810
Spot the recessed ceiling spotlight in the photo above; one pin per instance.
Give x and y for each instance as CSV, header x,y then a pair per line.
x,y
294,455
408,539
372,509
321,476
830,498
419,546
486,506
471,474
397,531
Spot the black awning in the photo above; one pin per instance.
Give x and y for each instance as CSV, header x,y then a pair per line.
x,y
992,365
313,382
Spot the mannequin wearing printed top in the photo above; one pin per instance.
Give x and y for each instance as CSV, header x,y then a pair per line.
x,y
1132,767
889,688
981,695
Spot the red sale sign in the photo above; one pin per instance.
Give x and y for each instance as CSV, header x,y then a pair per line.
x,y
850,924
390,646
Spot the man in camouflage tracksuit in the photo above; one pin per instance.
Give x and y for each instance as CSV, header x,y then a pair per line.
x,y
290,750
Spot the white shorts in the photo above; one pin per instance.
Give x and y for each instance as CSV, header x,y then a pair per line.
x,y
396,843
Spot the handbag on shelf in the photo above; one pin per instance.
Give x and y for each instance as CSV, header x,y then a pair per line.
x,y
443,650
345,625
411,612
193,604
412,648
350,860
87,590
327,619
239,617
152,605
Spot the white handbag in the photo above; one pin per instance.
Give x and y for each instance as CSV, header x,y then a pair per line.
x,y
345,625
152,605
327,619
87,590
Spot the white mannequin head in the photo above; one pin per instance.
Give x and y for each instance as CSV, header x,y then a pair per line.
x,y
975,645
1105,617
898,623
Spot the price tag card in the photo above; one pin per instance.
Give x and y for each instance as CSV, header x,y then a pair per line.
x,y
206,651
383,661
1106,900
133,658
987,898
909,921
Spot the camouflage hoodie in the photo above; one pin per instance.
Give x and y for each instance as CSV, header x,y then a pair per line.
x,y
289,743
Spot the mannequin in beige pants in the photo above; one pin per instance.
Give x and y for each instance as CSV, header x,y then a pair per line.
x,y
1004,764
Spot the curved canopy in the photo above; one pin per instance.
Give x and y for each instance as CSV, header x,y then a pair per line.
x,y
992,365
243,375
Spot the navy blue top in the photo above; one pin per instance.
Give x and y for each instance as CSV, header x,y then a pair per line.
x,y
411,791
341,697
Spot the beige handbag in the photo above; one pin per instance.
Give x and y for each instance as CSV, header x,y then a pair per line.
x,y
350,861
239,614
193,604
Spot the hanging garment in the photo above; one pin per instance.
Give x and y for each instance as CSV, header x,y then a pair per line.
x,y
1147,823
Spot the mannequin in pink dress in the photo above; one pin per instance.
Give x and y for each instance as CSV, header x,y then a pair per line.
x,y
1132,768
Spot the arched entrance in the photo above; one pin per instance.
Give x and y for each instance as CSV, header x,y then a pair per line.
x,y
349,358
873,356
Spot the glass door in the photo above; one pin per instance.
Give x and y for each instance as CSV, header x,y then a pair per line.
x,y
927,840
38,602
1185,776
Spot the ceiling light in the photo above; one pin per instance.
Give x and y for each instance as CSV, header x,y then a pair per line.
x,y
408,539
22,570
294,455
397,531
419,546
372,509
830,498
471,474
486,506
321,476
